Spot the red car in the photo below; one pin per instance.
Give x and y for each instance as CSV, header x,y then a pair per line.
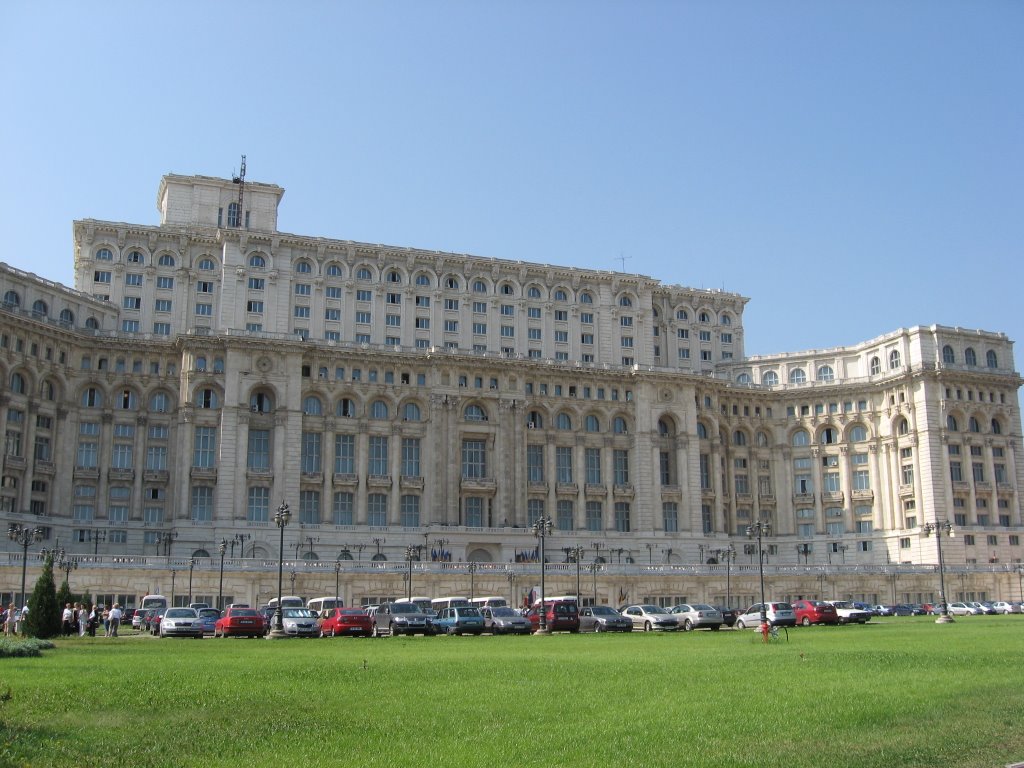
x,y
814,612
238,622
562,616
345,621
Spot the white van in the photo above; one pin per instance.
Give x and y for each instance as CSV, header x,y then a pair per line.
x,y
423,603
440,603
287,601
318,604
489,602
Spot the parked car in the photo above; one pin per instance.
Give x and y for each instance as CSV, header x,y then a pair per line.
x,y
300,622
603,618
901,609
697,615
728,615
983,608
401,619
650,618
239,622
883,610
460,620
849,613
142,625
777,614
181,622
560,616
208,618
128,616
154,621
502,620
809,612
1004,607
345,621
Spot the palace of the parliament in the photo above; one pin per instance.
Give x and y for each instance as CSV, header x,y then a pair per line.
x,y
418,411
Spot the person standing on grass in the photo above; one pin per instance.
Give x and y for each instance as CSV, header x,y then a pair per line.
x,y
67,618
114,620
9,619
22,619
92,621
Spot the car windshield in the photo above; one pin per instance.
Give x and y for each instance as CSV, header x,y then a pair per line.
x,y
180,613
503,612
209,612
405,608
702,607
605,610
242,612
781,607
352,612
468,612
652,609
298,613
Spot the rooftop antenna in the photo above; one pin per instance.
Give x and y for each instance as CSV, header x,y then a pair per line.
x,y
623,259
240,181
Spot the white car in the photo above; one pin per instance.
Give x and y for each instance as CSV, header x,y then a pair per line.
x,y
849,613
651,617
1006,608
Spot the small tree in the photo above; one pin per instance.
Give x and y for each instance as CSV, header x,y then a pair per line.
x,y
43,609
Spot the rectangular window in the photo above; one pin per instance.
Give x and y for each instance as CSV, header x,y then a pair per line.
x,y
258,454
302,312
474,459
345,454
595,516
451,326
257,283
452,305
333,314
705,472
377,509
378,448
310,459
130,326
533,334
507,310
561,337
309,507
202,504
332,292
256,307
258,505
204,286
592,457
101,277
363,295
508,332
563,464
535,463
533,313
626,321
162,329
422,301
363,317
163,305
165,283
410,511
121,456
344,505
705,335
303,289
204,450
479,329
621,466
156,458
622,517
394,298
480,307
670,516
411,457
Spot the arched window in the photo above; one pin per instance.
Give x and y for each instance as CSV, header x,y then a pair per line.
x,y
218,365
681,314
135,257
625,301
858,434
159,402
92,324
762,439
586,298
452,283
951,423
423,279
743,378
39,308
704,317
303,267
67,318
364,275
770,378
801,438
876,366
479,286
533,292
92,398
970,357
797,376
534,420
127,400
334,270
411,412
894,359
257,262
561,295
395,277
702,431
825,373
200,553
17,383
902,427
828,436
666,428
166,260
948,355
973,425
207,398
46,390
12,299
261,402
997,428
592,423
104,254
201,363
991,360
474,412
725,319
739,437
312,406
379,410
346,408
619,426
563,421
207,265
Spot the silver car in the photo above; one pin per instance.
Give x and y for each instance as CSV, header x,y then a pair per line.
x,y
603,618
502,620
778,615
697,615
401,619
181,622
651,617
300,622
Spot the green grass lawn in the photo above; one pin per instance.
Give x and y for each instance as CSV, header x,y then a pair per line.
x,y
897,692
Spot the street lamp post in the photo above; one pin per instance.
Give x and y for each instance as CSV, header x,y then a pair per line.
x,y
801,549
24,537
439,545
842,550
594,566
758,530
240,538
650,552
222,548
542,529
67,565
97,537
378,540
191,567
728,554
311,540
410,553
472,566
281,518
940,528
576,553
291,577
337,577
511,576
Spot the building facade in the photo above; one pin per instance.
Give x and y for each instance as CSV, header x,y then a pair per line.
x,y
207,368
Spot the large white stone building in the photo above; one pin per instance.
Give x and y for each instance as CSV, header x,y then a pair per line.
x,y
209,367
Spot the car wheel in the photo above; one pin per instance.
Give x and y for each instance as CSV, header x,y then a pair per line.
x,y
391,630
806,621
716,627
598,627
687,626
648,627
740,625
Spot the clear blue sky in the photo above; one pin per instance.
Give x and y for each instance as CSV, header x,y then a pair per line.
x,y
852,167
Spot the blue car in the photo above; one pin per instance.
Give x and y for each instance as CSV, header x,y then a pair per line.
x,y
208,618
459,621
